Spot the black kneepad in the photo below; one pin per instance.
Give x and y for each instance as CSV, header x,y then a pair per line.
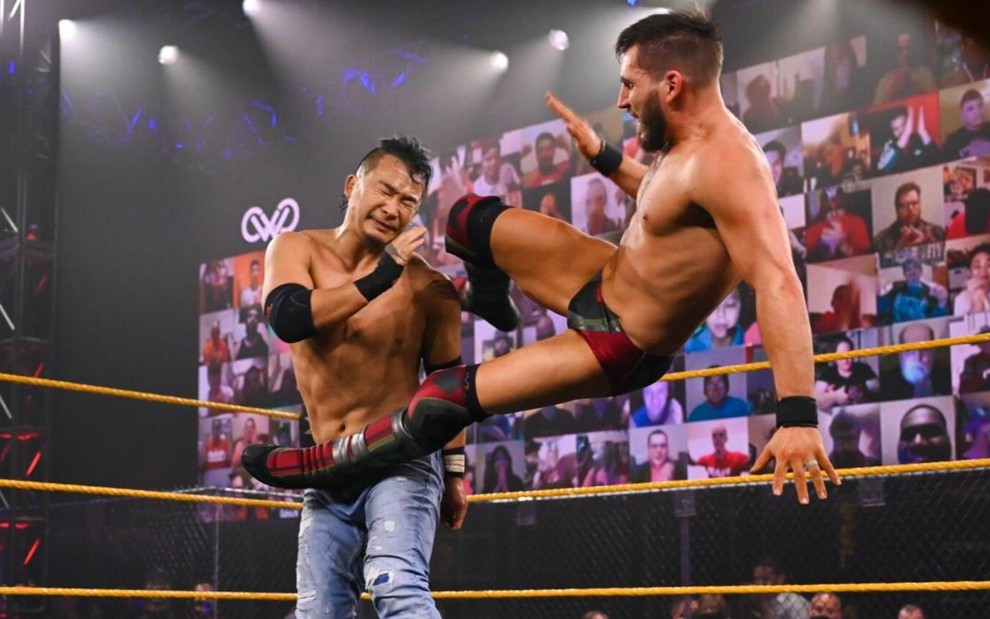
x,y
432,423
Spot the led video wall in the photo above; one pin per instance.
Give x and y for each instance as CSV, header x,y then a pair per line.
x,y
880,150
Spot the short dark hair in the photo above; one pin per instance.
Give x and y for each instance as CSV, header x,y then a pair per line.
x,y
982,248
722,377
776,146
843,338
654,433
543,137
686,39
970,95
905,188
407,149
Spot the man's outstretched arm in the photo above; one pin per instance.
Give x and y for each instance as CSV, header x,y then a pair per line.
x,y
628,173
755,235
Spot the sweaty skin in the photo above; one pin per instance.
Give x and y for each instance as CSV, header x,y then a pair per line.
x,y
706,217
342,370
364,361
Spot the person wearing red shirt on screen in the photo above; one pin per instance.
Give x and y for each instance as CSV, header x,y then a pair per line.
x,y
216,456
837,234
721,462
546,171
216,351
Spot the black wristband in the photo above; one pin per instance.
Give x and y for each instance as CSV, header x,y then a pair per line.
x,y
381,279
608,159
454,462
797,411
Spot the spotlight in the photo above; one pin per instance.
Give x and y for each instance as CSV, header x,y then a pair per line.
x,y
168,54
559,40
251,7
67,29
500,62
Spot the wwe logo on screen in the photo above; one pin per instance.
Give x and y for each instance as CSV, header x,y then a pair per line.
x,y
257,226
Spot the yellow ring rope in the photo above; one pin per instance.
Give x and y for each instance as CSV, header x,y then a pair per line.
x,y
981,338
952,585
140,395
970,585
866,471
149,593
726,369
18,484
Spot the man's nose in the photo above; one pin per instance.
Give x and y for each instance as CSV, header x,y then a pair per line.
x,y
392,207
623,101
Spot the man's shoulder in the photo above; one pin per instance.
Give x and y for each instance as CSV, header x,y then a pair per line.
x,y
298,236
729,157
727,153
295,242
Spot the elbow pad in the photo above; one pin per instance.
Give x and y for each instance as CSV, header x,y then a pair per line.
x,y
289,312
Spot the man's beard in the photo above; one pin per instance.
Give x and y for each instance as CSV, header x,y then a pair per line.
x,y
931,452
653,125
914,371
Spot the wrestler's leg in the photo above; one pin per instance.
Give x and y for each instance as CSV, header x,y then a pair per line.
x,y
550,260
401,515
550,371
328,578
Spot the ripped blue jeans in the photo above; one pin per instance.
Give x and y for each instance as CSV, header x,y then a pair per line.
x,y
376,536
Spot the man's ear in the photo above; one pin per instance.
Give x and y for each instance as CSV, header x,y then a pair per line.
x,y
349,184
672,85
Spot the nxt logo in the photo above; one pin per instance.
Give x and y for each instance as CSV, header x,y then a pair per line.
x,y
257,226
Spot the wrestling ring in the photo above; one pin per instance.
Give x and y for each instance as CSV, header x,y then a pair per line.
x,y
683,494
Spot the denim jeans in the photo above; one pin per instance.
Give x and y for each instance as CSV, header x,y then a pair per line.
x,y
375,535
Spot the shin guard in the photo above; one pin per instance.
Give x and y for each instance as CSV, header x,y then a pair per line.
x,y
444,405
